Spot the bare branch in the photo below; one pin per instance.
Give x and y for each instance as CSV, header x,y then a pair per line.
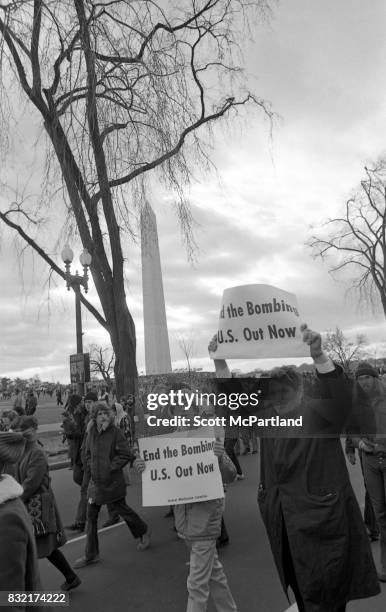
x,y
359,238
4,217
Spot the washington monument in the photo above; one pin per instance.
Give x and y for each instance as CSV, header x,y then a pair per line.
x,y
157,351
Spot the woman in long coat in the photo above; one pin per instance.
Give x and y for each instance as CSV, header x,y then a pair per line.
x,y
32,473
312,518
19,570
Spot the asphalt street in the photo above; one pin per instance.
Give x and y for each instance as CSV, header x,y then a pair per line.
x,y
155,580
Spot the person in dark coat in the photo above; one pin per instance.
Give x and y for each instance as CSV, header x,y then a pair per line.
x,y
19,569
32,473
31,403
77,421
313,521
79,474
107,452
370,403
369,517
74,427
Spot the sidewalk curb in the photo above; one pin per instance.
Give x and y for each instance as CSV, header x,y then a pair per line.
x,y
59,465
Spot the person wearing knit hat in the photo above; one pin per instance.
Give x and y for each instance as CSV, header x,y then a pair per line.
x,y
81,421
91,396
365,368
11,447
33,475
372,447
107,452
19,570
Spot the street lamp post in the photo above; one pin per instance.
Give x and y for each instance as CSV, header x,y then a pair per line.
x,y
75,282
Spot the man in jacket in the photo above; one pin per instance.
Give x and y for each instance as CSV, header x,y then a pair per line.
x,y
313,521
107,452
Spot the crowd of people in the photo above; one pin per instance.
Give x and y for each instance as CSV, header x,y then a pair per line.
x,y
318,538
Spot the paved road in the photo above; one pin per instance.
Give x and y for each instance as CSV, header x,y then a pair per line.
x,y
154,580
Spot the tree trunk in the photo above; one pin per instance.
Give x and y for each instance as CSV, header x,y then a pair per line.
x,y
122,334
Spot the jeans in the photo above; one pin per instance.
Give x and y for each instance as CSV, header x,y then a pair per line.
x,y
374,470
207,577
134,522
81,512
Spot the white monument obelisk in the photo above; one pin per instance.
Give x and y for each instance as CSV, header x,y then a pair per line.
x,y
157,351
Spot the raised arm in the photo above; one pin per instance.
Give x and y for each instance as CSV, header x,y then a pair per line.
x,y
222,370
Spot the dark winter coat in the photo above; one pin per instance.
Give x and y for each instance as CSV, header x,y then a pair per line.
x,y
74,428
31,405
32,473
305,483
19,570
106,453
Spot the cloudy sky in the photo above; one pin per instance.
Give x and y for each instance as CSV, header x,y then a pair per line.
x,y
321,65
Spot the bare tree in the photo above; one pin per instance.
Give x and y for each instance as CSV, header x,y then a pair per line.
x,y
124,89
102,362
186,344
357,240
343,351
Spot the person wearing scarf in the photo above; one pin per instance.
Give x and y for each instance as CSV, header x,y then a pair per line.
x,y
32,473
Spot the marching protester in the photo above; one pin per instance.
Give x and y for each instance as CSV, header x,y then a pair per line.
x,y
31,403
200,525
74,426
79,423
19,570
59,401
370,400
310,512
104,396
106,453
369,517
129,407
18,402
32,473
121,420
231,437
8,419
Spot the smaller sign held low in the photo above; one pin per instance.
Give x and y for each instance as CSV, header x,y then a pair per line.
x,y
180,470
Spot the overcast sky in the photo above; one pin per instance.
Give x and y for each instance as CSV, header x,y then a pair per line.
x,y
322,66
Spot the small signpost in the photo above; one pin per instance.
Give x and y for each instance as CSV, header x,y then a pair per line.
x,y
80,369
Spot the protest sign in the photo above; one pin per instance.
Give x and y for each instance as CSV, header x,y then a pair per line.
x,y
259,321
181,468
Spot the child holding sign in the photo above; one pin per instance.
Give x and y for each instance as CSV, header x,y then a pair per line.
x,y
200,525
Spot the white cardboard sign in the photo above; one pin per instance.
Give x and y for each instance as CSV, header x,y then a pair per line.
x,y
259,321
181,468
